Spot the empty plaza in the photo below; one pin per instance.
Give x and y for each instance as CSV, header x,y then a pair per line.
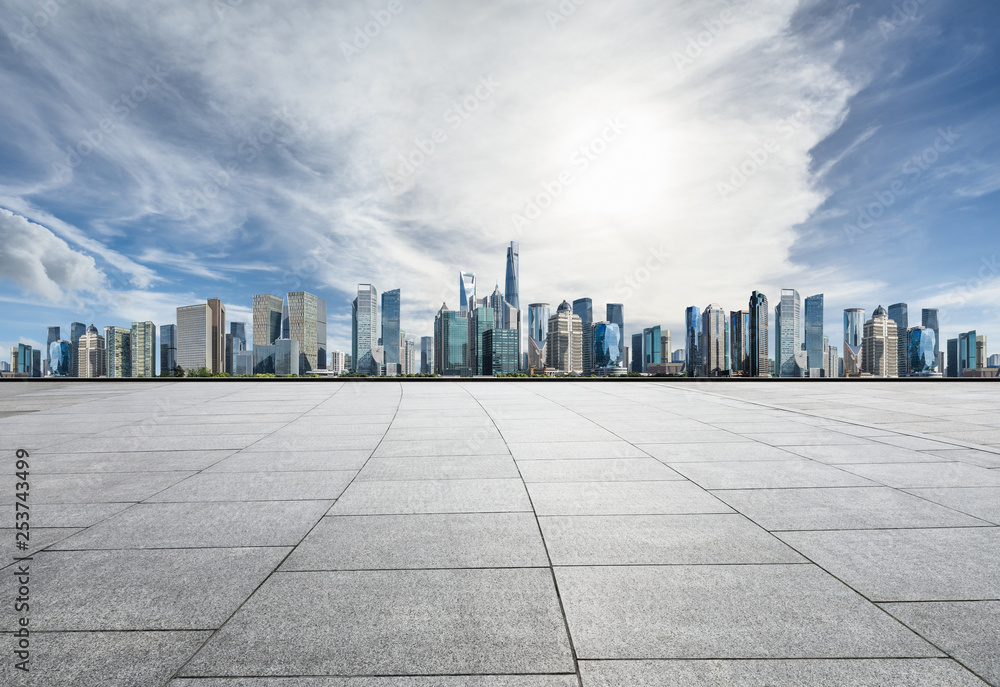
x,y
504,533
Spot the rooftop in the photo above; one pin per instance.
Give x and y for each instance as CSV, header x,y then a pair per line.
x,y
506,534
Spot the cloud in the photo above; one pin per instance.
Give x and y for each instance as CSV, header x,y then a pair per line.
x,y
41,262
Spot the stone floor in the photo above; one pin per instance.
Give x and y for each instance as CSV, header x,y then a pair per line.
x,y
515,534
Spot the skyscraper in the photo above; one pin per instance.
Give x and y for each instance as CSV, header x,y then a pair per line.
x,y
759,342
481,320
694,346
451,343
168,348
23,363
267,310
390,331
652,351
217,332
584,309
511,288
467,291
815,350
51,338
427,355
91,355
665,342
287,357
143,336
59,353
538,332
929,319
500,351
854,328
921,342
364,329
76,330
880,345
715,341
788,323
739,342
607,352
564,344
118,346
304,319
898,313
201,336
616,313
636,352
952,367
239,332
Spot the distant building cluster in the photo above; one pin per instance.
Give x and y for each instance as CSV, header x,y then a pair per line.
x,y
485,337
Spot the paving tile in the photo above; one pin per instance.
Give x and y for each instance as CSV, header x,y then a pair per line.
x,y
979,502
437,681
916,443
137,461
817,438
443,447
109,487
847,508
575,450
433,496
729,611
65,514
164,589
530,436
292,461
915,475
727,452
862,453
438,467
259,486
313,443
623,498
403,622
463,540
596,470
660,540
935,672
767,474
212,525
969,631
909,565
170,443
666,436
983,459
98,659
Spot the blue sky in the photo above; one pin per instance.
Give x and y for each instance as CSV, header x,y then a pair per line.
x,y
253,147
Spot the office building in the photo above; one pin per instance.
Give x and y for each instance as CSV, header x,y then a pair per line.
x,y
993,360
831,365
304,319
815,347
788,327
76,330
971,352
338,362
91,354
921,344
880,344
511,287
239,333
143,336
411,357
52,335
287,357
467,291
899,313
267,319
635,353
242,363
264,359
229,353
715,340
929,319
652,347
168,348
951,368
481,321
607,350
391,331
364,329
584,309
427,355
694,354
451,343
500,351
118,346
739,342
854,331
759,337
615,312
59,353
677,356
201,336
665,346
564,343
538,332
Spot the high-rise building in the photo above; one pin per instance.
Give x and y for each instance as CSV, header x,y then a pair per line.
x,y
267,312
51,338
364,329
338,362
500,351
739,342
854,332
694,346
481,320
584,309
652,347
467,291
511,287
538,332
427,355
715,341
971,352
607,351
665,346
815,350
23,361
921,342
91,355
929,319
899,313
880,346
76,330
143,336
229,353
287,357
391,330
951,369
788,326
759,336
243,362
616,313
451,343
239,332
564,344
306,323
59,353
264,359
981,354
168,348
831,366
201,336
118,346
36,362
635,352
411,357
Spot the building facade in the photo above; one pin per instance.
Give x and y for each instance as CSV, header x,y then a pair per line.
x,y
168,348
715,340
899,313
466,291
500,351
694,354
815,346
854,332
881,346
364,328
92,360
788,327
267,315
538,332
118,346
451,343
584,309
921,351
143,349
759,362
391,339
564,343
739,342
427,355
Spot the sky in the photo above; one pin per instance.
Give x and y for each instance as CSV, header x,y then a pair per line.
x,y
656,153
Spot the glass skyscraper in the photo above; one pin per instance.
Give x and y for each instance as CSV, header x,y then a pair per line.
x,y
854,332
451,343
607,350
739,342
168,348
267,315
511,287
921,346
390,330
814,336
715,341
652,347
616,313
584,309
636,351
427,355
500,352
788,324
760,344
143,349
51,338
929,319
481,321
76,330
694,349
58,356
538,333
364,329
899,313
118,346
467,291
